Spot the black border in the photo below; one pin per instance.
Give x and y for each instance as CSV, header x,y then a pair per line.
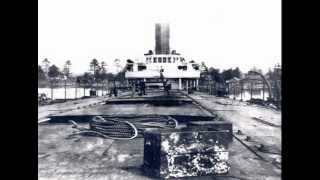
x,y
19,122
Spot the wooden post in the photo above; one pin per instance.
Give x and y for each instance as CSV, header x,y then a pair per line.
x,y
101,89
234,91
263,91
193,83
251,90
197,84
133,88
209,87
76,90
65,90
104,88
241,89
187,86
51,90
213,89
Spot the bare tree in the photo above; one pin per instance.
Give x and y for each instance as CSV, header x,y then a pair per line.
x,y
67,67
66,72
94,66
45,66
103,74
103,65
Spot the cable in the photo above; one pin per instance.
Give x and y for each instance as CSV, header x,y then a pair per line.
x,y
115,128
230,176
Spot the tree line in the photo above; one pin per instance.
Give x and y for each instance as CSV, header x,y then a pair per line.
x,y
214,74
48,74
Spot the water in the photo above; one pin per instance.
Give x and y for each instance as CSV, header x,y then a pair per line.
x,y
58,93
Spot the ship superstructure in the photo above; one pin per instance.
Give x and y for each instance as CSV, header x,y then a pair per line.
x,y
164,62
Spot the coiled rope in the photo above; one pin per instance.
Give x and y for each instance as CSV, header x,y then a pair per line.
x,y
115,128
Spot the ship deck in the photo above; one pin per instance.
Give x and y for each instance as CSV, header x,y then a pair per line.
x,y
61,156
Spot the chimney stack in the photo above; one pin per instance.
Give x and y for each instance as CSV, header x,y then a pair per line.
x,y
162,38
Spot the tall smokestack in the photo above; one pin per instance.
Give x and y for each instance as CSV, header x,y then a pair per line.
x,y
162,38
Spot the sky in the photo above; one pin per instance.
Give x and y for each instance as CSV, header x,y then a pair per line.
x,y
222,33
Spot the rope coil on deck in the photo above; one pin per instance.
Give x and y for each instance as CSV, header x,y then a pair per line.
x,y
115,128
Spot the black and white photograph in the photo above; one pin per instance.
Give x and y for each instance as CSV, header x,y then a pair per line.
x,y
159,89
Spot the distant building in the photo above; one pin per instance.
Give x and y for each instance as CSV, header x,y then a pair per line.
x,y
171,65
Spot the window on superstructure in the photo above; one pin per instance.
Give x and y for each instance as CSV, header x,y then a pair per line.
x,y
169,59
164,59
159,59
141,67
154,60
